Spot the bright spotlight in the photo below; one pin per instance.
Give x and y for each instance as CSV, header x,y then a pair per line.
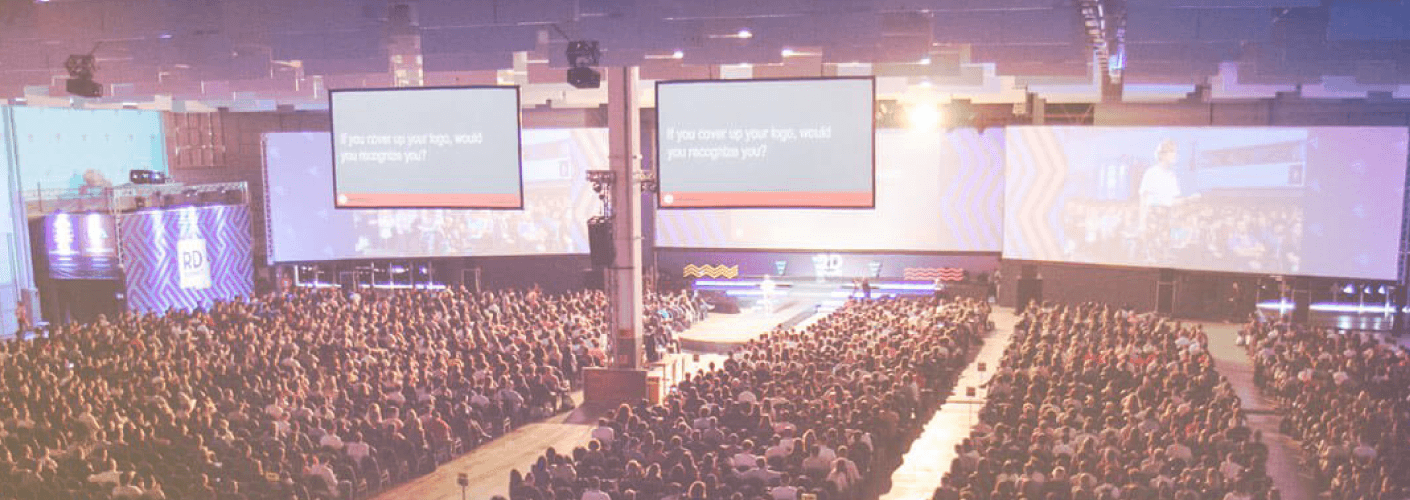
x,y
745,33
923,117
679,54
788,53
925,61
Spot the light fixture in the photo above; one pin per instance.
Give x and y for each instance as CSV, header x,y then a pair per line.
x,y
923,117
582,56
788,52
678,54
925,61
745,33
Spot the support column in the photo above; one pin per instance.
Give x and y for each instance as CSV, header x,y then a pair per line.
x,y
624,380
624,277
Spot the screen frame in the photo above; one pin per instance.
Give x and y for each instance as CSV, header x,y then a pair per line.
x,y
656,140
518,137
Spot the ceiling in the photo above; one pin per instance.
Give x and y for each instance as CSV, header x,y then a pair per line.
x,y
260,54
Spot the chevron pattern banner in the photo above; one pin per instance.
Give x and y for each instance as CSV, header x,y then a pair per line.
x,y
709,271
934,273
152,244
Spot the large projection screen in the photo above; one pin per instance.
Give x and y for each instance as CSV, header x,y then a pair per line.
x,y
426,147
558,200
936,191
1322,201
766,143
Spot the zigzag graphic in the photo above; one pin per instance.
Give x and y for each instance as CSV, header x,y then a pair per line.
x,y
149,242
933,273
709,271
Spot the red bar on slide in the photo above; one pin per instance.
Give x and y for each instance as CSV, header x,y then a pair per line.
x,y
429,200
843,199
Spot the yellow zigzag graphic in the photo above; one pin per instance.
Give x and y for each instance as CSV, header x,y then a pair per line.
x,y
720,271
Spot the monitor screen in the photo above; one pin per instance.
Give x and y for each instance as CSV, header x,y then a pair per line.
x,y
426,147
766,143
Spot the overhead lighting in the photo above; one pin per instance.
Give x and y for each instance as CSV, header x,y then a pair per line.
x,y
925,84
923,117
745,33
925,61
789,53
678,55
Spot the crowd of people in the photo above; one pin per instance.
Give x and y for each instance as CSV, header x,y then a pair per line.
x,y
1346,398
820,411
548,224
305,395
1261,237
1097,403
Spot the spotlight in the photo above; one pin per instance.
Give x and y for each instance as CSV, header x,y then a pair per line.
x,y
679,54
81,68
146,177
582,56
923,117
745,33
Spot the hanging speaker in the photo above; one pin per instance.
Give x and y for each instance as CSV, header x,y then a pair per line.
x,y
600,242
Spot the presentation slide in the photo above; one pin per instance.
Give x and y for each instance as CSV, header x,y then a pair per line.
x,y
81,246
427,147
558,200
766,143
936,191
1323,201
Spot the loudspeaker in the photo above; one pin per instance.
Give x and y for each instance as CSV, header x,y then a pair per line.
x,y
600,244
1029,290
1165,297
594,279
1302,303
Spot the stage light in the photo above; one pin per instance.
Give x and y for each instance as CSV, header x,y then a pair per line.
x,y
923,117
788,53
81,68
582,56
925,61
1349,289
678,54
745,33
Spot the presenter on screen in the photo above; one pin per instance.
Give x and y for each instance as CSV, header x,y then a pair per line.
x,y
1159,193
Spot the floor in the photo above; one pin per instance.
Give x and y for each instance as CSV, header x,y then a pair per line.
x,y
932,452
1286,467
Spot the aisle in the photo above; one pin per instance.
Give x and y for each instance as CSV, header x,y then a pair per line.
x,y
932,452
1285,457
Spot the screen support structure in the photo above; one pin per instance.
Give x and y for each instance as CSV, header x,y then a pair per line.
x,y
625,379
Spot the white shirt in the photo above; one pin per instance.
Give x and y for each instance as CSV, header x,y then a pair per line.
x,y
1159,187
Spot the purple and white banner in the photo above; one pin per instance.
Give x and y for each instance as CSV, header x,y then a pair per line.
x,y
187,257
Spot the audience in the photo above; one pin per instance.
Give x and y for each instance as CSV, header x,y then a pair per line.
x,y
1346,397
825,411
1094,403
306,395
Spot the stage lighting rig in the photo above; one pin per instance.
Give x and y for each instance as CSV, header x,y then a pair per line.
x,y
81,68
582,56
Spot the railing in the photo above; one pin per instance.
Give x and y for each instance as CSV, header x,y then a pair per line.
x,y
40,202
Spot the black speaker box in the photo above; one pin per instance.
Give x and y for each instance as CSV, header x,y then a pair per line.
x,y
600,244
1030,290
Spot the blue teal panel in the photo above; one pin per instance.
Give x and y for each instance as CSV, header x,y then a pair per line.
x,y
69,148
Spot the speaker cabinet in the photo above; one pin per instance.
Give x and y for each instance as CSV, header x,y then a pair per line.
x,y
600,243
1030,291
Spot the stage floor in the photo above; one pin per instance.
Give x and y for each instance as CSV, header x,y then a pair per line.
x,y
722,333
